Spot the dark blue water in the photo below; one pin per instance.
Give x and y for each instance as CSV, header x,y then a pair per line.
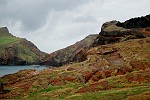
x,y
4,70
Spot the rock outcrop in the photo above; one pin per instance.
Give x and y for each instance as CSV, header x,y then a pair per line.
x,y
139,22
17,51
4,31
115,31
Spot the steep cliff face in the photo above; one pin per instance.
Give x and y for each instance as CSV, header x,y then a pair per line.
x,y
17,51
73,53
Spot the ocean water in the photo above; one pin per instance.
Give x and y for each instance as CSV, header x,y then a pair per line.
x,y
4,70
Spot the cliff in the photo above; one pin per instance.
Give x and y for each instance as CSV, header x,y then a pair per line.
x,y
17,51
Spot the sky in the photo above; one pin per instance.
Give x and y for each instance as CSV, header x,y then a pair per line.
x,y
54,24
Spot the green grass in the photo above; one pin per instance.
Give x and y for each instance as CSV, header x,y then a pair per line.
x,y
68,92
54,92
50,88
114,94
26,54
8,40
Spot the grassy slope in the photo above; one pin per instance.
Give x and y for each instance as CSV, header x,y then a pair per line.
x,y
11,46
71,81
6,40
123,87
24,52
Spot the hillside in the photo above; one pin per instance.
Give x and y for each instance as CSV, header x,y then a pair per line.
x,y
113,71
17,51
116,67
73,53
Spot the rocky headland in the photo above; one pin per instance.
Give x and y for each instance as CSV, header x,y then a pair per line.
x,y
18,51
116,66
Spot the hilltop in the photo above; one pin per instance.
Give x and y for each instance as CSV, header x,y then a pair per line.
x,y
17,51
116,67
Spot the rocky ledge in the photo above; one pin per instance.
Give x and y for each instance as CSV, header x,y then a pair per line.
x,y
115,31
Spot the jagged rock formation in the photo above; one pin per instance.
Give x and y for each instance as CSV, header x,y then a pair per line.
x,y
17,51
73,53
115,31
140,22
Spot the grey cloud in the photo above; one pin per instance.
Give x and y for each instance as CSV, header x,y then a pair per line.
x,y
84,18
54,24
32,13
3,2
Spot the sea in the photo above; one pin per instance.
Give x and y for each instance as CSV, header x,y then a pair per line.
x,y
4,70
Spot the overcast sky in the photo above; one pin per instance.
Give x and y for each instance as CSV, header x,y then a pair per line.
x,y
55,24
